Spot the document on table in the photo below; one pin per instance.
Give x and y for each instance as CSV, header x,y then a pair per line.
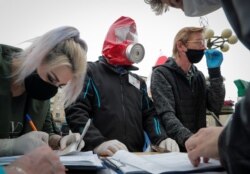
x,y
81,160
7,160
173,162
77,160
71,149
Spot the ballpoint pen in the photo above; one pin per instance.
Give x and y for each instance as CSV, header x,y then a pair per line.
x,y
84,132
112,163
32,125
215,118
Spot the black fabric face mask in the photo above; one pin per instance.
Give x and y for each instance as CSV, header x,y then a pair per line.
x,y
39,89
194,56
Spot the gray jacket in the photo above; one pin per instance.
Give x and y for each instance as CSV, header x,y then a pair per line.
x,y
181,101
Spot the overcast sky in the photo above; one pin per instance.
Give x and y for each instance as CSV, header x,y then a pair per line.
x,y
25,19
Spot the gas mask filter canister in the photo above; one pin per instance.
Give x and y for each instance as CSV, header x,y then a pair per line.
x,y
135,52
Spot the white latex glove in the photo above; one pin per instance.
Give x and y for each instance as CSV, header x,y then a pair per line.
x,y
57,142
170,145
70,139
23,144
108,148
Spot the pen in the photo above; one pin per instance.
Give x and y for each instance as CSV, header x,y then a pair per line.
x,y
115,165
32,125
216,118
84,131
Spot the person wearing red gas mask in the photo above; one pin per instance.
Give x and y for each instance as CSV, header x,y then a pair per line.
x,y
115,98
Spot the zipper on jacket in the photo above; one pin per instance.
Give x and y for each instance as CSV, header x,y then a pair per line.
x,y
123,109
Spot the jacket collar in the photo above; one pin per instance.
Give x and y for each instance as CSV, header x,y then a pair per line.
x,y
118,69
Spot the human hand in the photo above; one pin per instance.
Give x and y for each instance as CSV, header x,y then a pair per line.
x,y
24,143
169,145
70,139
108,148
214,58
41,160
203,144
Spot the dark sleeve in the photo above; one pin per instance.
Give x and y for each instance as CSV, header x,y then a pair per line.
x,y
237,12
164,101
151,122
55,128
215,91
234,141
79,112
49,125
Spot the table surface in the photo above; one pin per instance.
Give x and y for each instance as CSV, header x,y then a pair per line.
x,y
102,171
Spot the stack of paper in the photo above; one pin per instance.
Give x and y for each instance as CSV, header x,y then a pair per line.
x,y
7,160
174,162
81,160
77,160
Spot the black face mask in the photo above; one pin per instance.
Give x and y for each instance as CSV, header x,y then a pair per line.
x,y
39,89
194,56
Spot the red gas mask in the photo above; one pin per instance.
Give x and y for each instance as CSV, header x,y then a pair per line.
x,y
120,46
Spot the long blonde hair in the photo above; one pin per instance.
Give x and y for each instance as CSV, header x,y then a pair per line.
x,y
60,46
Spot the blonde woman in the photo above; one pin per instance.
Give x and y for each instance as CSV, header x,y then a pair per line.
x,y
29,78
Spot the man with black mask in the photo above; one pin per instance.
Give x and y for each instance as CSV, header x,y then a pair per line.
x,y
179,90
115,98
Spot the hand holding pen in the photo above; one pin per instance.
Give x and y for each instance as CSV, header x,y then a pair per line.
x,y
75,139
71,141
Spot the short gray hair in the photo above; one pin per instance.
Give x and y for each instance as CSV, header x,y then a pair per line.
x,y
157,6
